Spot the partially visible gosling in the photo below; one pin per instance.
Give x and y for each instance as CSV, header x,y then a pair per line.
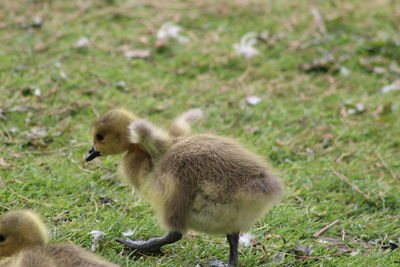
x,y
23,240
198,182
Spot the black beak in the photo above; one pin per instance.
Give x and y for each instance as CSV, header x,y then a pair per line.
x,y
92,154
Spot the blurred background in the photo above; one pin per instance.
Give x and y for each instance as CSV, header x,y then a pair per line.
x,y
311,85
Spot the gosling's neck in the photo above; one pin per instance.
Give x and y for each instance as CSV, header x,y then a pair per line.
x,y
136,165
37,239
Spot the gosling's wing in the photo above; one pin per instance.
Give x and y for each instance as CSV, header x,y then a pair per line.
x,y
151,138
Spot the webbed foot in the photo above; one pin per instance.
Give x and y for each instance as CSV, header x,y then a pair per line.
x,y
139,245
152,245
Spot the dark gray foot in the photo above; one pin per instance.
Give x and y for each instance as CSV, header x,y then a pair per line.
x,y
152,245
233,240
140,245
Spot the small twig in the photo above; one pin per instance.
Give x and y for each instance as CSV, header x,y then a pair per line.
x,y
298,198
326,228
95,111
81,168
319,21
353,186
95,205
60,216
261,227
387,167
343,234
343,155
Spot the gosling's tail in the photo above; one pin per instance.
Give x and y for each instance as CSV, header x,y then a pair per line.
x,y
181,125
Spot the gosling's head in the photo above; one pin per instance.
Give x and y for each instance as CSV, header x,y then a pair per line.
x,y
21,229
110,134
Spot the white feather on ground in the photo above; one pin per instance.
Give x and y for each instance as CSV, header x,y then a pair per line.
x,y
245,239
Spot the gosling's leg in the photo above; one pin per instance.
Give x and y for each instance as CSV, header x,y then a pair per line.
x,y
233,240
152,245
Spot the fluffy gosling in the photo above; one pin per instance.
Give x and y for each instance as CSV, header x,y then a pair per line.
x,y
23,241
198,182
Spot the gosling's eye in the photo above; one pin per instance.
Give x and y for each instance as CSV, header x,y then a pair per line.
x,y
99,137
2,238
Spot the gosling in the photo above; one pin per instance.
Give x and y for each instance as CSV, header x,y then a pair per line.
x,y
197,182
23,241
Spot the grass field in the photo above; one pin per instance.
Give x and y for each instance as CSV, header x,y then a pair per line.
x,y
327,119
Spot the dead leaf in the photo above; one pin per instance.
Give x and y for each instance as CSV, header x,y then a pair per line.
x,y
170,30
179,71
344,71
161,46
161,107
394,67
253,100
383,110
3,115
144,39
38,131
303,250
378,69
40,46
37,137
391,87
11,141
319,20
63,75
343,112
53,91
325,64
121,84
137,54
251,129
281,143
82,42
4,164
354,109
37,22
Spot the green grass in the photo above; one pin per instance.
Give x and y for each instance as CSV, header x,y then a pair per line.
x,y
302,123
